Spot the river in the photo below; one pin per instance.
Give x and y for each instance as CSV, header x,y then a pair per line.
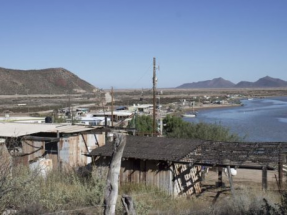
x,y
258,120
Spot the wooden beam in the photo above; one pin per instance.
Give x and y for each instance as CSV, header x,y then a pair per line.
x,y
280,170
264,178
219,183
225,165
128,205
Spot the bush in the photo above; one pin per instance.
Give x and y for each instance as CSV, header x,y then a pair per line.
x,y
143,124
177,128
58,191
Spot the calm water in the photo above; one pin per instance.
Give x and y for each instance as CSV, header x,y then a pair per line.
x,y
259,119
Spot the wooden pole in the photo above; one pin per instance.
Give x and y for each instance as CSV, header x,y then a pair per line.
x,y
112,108
154,92
264,178
219,183
128,205
111,192
58,150
280,170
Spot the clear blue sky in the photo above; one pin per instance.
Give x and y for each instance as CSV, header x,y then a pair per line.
x,y
112,43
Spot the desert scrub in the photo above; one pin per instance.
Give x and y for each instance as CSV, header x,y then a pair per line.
x,y
58,191
152,200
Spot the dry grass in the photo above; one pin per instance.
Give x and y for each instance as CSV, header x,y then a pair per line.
x,y
70,193
152,201
58,191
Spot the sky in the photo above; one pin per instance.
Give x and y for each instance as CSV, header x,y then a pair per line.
x,y
113,42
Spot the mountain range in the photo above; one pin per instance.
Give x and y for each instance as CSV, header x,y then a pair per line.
x,y
45,81
222,83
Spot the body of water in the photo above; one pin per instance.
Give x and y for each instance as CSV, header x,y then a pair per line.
x,y
263,120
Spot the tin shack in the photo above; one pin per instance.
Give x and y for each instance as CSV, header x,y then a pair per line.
x,y
63,145
153,161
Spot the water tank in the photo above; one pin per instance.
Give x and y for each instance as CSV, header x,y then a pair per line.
x,y
48,119
233,171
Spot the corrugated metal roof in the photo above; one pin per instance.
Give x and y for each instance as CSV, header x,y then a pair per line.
x,y
22,129
68,129
152,148
115,113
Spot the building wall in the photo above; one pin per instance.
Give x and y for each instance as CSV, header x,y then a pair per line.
x,y
71,150
174,181
33,149
5,160
148,172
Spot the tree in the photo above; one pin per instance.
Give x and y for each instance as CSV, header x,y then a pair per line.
x,y
142,124
111,192
177,128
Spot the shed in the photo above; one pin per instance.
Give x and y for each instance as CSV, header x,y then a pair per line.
x,y
175,164
154,161
64,144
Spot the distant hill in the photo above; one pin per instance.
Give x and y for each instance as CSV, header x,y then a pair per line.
x,y
270,82
45,81
262,82
221,83
244,84
214,83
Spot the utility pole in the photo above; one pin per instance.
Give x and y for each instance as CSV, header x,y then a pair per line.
x,y
154,80
69,105
112,108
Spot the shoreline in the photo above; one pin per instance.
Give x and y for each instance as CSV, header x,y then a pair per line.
x,y
210,106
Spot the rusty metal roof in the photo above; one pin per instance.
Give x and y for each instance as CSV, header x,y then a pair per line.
x,y
152,148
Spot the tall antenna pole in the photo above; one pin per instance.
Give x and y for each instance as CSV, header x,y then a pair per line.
x,y
112,109
154,96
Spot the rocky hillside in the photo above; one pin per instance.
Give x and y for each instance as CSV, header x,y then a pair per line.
x,y
45,81
214,83
221,83
263,82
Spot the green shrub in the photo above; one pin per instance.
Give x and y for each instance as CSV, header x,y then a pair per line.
x,y
143,124
177,128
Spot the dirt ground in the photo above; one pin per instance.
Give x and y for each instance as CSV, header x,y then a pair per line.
x,y
49,102
248,182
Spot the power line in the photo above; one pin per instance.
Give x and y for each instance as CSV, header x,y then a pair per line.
x,y
146,71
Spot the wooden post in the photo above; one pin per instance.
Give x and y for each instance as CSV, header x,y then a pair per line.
x,y
58,152
280,171
111,192
154,98
230,181
219,183
128,205
112,108
264,178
